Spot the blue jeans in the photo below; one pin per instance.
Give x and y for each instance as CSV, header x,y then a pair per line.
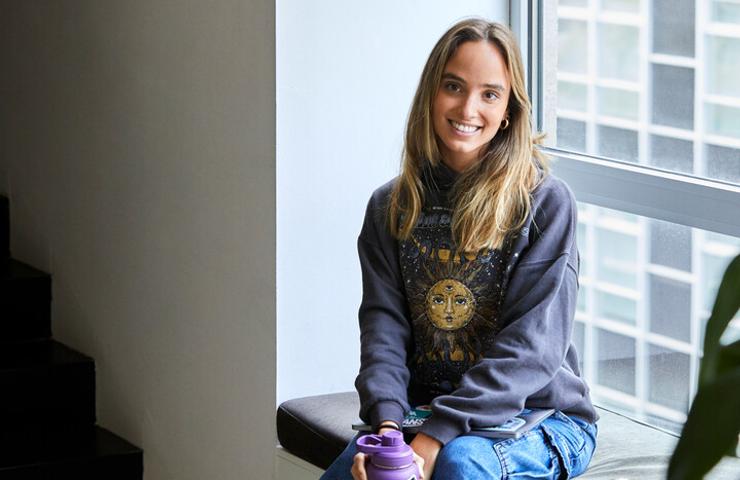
x,y
561,447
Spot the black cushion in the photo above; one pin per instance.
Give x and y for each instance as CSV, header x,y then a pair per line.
x,y
317,429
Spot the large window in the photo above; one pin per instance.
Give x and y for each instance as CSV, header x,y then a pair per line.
x,y
652,82
642,105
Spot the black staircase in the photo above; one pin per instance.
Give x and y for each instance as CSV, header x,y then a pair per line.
x,y
47,390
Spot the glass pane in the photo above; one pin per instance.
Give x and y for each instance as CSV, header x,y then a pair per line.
x,y
615,307
582,299
727,241
723,65
631,6
673,96
617,257
722,163
621,42
572,96
731,335
629,84
578,339
717,252
573,3
726,12
670,245
669,378
571,134
581,238
673,27
624,217
618,103
670,308
672,153
650,280
615,364
618,143
723,120
572,41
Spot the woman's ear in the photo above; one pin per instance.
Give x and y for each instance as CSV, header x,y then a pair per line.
x,y
505,122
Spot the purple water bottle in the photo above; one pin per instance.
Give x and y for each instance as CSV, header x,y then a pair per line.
x,y
389,457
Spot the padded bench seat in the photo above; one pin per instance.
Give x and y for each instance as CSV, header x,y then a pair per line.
x,y
318,428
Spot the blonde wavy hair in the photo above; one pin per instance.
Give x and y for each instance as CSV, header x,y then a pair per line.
x,y
491,197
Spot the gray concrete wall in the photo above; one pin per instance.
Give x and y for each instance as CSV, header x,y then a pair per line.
x,y
137,145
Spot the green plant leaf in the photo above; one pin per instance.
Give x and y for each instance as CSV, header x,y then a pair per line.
x,y
728,358
710,430
725,307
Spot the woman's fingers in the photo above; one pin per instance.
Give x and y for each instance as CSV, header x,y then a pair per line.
x,y
419,460
358,467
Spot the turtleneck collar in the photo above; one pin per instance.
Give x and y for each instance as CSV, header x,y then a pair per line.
x,y
442,177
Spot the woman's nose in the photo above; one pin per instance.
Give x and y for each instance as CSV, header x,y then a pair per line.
x,y
469,107
448,307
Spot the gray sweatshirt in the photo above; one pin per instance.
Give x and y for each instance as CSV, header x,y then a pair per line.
x,y
477,336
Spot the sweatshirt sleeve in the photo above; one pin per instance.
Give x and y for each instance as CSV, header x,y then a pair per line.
x,y
385,332
537,315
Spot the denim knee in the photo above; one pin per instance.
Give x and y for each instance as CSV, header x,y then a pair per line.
x,y
468,457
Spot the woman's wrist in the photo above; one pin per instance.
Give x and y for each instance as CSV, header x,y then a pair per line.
x,y
388,424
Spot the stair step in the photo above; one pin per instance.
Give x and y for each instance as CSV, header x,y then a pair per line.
x,y
45,383
47,405
4,232
25,303
97,455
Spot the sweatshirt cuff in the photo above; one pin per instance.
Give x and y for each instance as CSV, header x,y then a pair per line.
x,y
386,410
442,430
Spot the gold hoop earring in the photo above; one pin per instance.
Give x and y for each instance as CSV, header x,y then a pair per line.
x,y
506,124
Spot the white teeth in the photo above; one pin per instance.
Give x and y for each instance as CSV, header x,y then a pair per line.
x,y
463,128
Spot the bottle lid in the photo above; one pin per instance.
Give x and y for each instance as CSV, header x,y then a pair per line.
x,y
387,450
392,439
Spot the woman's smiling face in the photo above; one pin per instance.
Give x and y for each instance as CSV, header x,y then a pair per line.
x,y
470,103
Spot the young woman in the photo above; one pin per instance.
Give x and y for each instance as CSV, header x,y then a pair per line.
x,y
470,278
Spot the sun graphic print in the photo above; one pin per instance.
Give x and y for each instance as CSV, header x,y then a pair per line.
x,y
454,300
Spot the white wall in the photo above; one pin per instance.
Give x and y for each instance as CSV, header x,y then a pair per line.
x,y
137,143
346,74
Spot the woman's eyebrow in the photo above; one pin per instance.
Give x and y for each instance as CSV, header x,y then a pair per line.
x,y
493,86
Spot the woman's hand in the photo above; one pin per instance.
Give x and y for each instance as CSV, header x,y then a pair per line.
x,y
358,465
427,448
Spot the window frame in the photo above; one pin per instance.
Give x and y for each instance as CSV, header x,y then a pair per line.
x,y
702,203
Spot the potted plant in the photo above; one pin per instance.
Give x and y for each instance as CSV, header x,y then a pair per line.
x,y
713,424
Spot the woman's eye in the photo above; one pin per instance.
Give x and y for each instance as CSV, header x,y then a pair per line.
x,y
490,95
438,299
461,300
453,87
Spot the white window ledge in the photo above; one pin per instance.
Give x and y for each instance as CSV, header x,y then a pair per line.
x,y
696,202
